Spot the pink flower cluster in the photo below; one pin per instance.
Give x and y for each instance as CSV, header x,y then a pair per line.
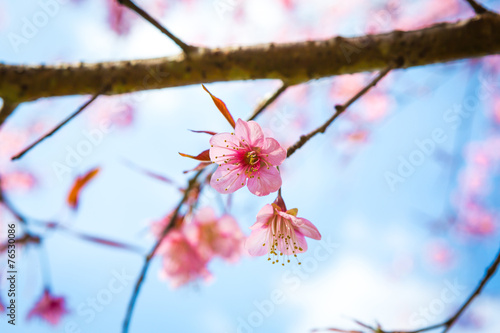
x,y
482,160
49,308
194,241
244,157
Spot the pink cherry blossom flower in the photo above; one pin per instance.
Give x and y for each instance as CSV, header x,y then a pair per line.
x,y
214,236
246,154
119,17
49,308
182,263
2,307
18,181
280,230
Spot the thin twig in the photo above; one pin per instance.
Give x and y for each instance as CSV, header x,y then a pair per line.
x,y
268,101
339,110
132,6
27,149
488,275
151,254
6,110
478,8
96,239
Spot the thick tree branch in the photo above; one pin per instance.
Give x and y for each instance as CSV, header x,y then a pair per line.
x,y
292,62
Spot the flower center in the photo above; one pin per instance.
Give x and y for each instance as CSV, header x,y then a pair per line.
x,y
251,158
283,241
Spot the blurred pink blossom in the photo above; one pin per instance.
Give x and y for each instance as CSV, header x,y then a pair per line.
x,y
49,308
477,220
473,181
182,262
112,111
346,86
214,236
440,254
496,110
246,154
375,106
119,17
357,136
13,141
17,181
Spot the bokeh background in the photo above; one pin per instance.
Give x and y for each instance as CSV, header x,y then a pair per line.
x,y
403,254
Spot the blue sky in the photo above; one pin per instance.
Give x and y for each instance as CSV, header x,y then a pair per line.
x,y
373,263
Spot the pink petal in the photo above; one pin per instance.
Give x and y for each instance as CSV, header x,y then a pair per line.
x,y
249,132
227,224
308,229
223,147
301,243
263,217
272,152
228,178
205,215
266,180
288,249
254,242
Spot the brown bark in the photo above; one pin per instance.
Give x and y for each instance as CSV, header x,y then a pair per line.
x,y
292,62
